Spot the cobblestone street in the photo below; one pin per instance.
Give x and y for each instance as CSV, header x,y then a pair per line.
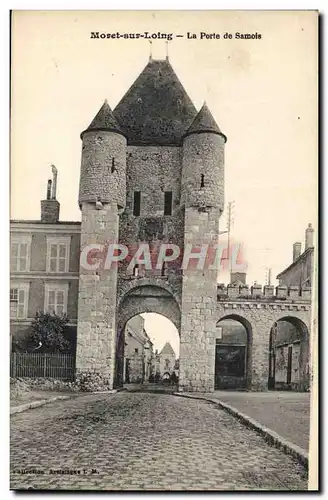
x,y
136,441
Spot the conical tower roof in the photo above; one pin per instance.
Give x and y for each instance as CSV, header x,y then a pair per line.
x,y
104,120
168,349
204,122
156,109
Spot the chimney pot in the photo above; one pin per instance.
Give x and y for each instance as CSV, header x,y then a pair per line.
x,y
309,236
297,248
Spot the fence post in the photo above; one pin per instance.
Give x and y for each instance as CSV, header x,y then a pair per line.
x,y
45,365
14,365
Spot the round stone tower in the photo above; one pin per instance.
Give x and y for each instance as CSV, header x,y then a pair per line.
x,y
202,184
103,165
101,199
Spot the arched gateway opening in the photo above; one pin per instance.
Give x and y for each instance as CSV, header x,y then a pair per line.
x,y
289,355
147,342
233,353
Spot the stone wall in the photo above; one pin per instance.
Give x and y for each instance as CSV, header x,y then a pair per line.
x,y
203,154
152,171
103,168
199,298
96,339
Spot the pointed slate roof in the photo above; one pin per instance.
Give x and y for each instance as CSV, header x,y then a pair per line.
x,y
156,110
168,349
204,122
104,120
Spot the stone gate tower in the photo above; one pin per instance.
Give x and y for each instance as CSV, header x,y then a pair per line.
x,y
152,172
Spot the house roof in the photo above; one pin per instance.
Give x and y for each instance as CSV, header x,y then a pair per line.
x,y
204,122
167,349
156,110
301,257
104,120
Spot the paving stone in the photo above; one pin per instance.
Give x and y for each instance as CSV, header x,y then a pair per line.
x,y
136,441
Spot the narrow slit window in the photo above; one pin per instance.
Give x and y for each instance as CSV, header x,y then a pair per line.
x,y
168,203
164,269
113,165
136,271
202,180
136,203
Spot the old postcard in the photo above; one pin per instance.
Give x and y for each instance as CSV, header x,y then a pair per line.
x,y
163,250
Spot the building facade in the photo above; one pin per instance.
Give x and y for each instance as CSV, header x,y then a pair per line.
x,y
290,345
138,352
44,274
152,172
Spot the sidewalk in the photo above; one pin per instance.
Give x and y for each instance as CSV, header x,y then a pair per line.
x,y
33,399
32,396
286,413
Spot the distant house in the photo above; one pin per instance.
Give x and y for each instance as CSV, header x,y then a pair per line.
x,y
289,346
165,361
138,352
300,271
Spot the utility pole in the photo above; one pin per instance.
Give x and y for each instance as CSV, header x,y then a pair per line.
x,y
230,221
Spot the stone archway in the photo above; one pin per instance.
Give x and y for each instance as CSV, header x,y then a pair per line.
x,y
289,355
234,350
146,298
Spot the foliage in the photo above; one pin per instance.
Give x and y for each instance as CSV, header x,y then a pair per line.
x,y
47,333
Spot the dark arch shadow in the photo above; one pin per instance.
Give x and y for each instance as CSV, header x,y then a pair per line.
x,y
288,344
248,345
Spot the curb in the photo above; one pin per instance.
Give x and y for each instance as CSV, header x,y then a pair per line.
x,y
270,436
42,402
36,404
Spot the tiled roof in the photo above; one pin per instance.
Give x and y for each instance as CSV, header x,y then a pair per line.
x,y
167,349
204,122
104,120
156,110
301,257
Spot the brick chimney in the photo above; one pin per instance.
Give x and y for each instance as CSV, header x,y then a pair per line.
x,y
309,236
237,276
297,249
50,206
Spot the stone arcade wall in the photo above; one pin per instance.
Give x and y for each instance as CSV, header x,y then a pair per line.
x,y
258,310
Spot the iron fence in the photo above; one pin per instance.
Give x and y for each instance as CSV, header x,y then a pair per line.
x,y
59,366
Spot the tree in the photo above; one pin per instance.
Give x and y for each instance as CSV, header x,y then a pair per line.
x,y
47,333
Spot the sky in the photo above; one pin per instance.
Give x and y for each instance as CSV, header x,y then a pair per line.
x,y
262,93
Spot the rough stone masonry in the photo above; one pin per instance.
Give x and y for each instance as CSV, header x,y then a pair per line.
x,y
152,171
